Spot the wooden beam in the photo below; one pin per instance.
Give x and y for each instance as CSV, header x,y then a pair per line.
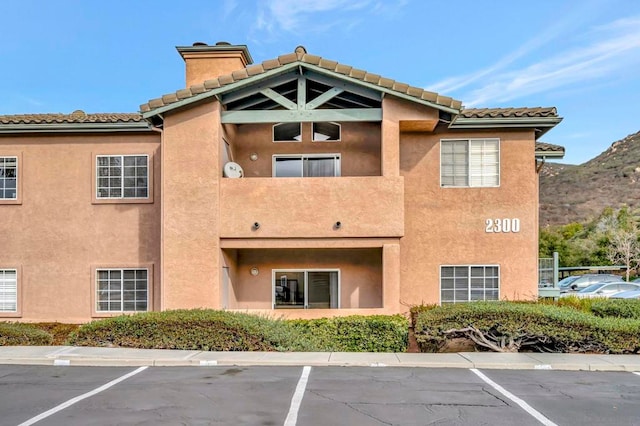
x,y
256,88
323,98
302,91
337,81
294,116
277,97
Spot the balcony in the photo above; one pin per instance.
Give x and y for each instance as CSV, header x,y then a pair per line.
x,y
311,207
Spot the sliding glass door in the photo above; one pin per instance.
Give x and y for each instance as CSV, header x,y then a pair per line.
x,y
306,289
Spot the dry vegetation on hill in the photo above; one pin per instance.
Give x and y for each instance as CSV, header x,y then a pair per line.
x,y
570,193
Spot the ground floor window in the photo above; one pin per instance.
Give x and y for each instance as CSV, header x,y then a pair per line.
x,y
469,283
122,290
8,290
306,289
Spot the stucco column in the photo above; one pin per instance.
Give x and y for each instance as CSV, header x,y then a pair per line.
x,y
390,146
190,207
391,277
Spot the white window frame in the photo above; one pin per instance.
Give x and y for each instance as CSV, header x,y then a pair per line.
x,y
469,141
121,270
273,133
122,177
468,266
3,178
306,285
337,158
3,283
313,134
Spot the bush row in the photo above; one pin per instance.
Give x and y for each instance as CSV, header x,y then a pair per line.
x,y
507,326
376,333
12,334
616,308
231,331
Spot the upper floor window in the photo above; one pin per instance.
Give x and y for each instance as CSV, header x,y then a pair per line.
x,y
287,132
8,178
470,163
329,132
122,176
312,165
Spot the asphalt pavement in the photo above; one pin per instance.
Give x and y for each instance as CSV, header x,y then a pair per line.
x,y
314,396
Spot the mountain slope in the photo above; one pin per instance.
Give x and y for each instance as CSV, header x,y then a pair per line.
x,y
570,193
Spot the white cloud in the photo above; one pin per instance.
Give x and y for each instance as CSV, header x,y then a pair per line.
x,y
297,15
600,52
615,47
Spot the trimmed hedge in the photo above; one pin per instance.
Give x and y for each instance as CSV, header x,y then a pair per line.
x,y
616,308
230,331
205,330
507,326
13,333
375,333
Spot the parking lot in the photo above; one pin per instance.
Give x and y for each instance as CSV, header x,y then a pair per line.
x,y
314,396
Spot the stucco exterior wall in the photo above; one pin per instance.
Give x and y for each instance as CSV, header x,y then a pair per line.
x,y
446,226
58,235
360,274
359,148
190,244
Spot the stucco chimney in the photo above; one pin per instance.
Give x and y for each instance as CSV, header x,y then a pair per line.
x,y
204,62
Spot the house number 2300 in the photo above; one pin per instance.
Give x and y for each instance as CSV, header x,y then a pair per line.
x,y
502,225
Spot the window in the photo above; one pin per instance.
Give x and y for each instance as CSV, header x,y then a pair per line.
x,y
326,132
474,162
8,178
306,289
122,176
313,165
122,290
469,283
287,132
8,290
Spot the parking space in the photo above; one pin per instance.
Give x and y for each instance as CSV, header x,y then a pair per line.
x,y
577,398
332,395
27,391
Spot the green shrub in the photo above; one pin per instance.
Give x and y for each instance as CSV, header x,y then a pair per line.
x,y
228,331
507,326
375,333
206,330
617,308
13,333
416,309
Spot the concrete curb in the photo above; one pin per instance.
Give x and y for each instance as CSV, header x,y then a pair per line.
x,y
123,357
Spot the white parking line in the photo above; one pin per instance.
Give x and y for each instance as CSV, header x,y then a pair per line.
x,y
526,407
636,372
81,397
292,417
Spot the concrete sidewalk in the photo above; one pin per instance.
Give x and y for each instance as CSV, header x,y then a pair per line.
x,y
89,356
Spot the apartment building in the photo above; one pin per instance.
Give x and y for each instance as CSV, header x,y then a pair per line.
x,y
299,187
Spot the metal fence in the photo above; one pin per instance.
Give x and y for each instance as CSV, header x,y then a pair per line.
x,y
546,272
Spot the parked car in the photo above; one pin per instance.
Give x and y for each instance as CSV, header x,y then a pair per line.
x,y
603,290
632,294
579,282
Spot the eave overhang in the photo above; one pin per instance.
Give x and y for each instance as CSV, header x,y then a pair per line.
x,y
141,126
540,124
219,92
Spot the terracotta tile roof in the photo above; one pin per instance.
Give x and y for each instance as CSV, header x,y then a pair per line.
x,y
78,116
302,56
508,112
547,147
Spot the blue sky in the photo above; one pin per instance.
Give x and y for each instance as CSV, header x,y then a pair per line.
x,y
582,56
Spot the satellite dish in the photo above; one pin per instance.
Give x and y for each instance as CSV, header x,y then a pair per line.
x,y
232,170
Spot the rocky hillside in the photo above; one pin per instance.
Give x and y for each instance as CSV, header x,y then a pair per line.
x,y
571,193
